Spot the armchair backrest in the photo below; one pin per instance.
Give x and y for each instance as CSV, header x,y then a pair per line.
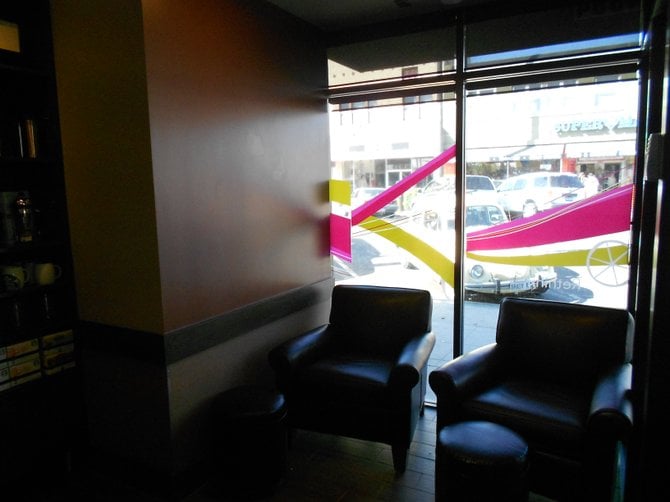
x,y
379,319
562,342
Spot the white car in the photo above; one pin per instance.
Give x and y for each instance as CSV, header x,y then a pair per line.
x,y
436,204
529,193
497,278
485,277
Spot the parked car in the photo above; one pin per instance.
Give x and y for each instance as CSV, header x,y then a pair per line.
x,y
497,278
485,277
436,204
529,193
361,195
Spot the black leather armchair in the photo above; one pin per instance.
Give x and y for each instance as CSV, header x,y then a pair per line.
x,y
559,375
364,374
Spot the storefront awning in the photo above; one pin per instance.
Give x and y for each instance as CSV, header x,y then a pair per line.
x,y
602,149
514,153
598,149
493,154
539,152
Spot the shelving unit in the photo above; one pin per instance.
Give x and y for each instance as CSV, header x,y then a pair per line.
x,y
38,390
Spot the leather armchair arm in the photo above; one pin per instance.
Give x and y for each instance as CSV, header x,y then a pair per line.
x,y
611,413
464,375
414,356
286,357
460,378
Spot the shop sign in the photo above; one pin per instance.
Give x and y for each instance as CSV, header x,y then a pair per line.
x,y
595,126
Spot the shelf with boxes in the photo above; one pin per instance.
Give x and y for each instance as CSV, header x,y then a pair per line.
x,y
37,301
41,411
36,293
36,313
31,359
36,316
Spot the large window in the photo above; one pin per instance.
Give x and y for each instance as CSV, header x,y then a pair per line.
x,y
563,159
516,161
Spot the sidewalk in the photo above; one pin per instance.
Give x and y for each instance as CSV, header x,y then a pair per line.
x,y
479,325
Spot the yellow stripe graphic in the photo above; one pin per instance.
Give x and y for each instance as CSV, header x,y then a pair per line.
x,y
444,267
340,191
439,263
613,255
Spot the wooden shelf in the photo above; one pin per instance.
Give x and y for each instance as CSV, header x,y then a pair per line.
x,y
38,414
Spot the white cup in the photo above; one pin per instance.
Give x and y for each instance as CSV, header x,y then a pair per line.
x,y
46,273
13,276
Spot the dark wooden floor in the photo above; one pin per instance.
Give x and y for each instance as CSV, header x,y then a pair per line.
x,y
321,468
330,468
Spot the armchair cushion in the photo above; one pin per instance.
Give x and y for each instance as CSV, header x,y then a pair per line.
x,y
549,416
346,377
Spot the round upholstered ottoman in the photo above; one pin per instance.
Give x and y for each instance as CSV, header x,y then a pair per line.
x,y
250,439
480,461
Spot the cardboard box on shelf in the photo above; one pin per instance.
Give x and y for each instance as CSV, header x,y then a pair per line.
x,y
58,338
25,379
24,365
20,348
57,356
58,369
4,372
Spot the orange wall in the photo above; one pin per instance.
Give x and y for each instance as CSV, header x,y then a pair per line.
x,y
196,155
239,139
103,106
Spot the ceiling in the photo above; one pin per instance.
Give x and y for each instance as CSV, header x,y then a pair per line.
x,y
338,15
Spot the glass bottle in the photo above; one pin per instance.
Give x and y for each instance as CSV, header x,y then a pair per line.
x,y
25,226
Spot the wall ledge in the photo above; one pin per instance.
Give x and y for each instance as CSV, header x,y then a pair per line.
x,y
168,348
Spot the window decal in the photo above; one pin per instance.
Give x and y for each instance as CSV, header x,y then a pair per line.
x,y
569,235
340,218
393,192
595,230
